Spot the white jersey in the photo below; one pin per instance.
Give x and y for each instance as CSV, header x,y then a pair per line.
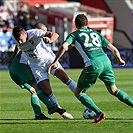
x,y
39,55
35,48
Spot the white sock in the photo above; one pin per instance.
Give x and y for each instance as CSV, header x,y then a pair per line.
x,y
53,99
71,84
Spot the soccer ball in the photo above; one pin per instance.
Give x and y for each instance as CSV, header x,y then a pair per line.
x,y
88,114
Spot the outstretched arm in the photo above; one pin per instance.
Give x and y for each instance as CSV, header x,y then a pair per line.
x,y
116,53
61,51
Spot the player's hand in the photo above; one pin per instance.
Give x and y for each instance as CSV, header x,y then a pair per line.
x,y
51,67
7,60
46,39
121,62
32,90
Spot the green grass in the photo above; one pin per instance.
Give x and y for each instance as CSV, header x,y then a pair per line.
x,y
16,114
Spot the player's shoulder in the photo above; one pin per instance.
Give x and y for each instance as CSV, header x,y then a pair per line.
x,y
95,31
31,31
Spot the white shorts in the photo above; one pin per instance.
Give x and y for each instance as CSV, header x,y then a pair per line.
x,y
41,73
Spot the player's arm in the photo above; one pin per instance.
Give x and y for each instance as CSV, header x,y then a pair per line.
x,y
59,54
16,51
116,53
8,60
50,37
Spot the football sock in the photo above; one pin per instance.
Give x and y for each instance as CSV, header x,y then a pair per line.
x,y
52,97
36,104
44,98
71,84
122,96
87,101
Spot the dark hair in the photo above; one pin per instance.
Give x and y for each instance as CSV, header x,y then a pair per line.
x,y
81,20
17,31
38,25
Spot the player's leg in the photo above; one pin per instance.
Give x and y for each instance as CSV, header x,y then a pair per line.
x,y
20,78
121,95
42,78
34,101
60,73
37,108
86,100
87,78
51,105
46,100
45,86
109,79
42,96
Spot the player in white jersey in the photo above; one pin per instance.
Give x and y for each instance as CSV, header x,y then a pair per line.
x,y
60,72
40,57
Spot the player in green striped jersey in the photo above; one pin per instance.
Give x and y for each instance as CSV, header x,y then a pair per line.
x,y
89,43
22,76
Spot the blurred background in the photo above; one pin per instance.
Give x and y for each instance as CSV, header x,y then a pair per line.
x,y
112,18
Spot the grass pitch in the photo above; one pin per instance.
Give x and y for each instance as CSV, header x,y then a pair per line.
x,y
16,114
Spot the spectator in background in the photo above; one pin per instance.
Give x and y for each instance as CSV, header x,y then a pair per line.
x,y
5,38
4,14
2,22
22,17
1,2
6,26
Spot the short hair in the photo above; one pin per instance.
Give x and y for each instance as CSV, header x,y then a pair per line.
x,y
81,20
17,31
39,25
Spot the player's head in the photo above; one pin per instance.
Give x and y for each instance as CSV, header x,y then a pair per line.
x,y
81,21
40,26
19,34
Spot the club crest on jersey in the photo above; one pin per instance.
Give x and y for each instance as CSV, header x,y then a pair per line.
x,y
31,41
37,78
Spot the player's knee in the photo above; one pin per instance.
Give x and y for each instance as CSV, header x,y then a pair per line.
x,y
48,92
60,74
77,92
112,89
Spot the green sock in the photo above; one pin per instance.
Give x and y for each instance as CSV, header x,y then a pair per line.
x,y
87,101
35,104
44,98
122,96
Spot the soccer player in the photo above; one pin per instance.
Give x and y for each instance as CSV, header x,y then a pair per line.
x,y
32,43
89,43
59,72
22,76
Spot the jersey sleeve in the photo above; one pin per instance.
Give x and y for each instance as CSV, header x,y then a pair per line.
x,y
105,42
40,33
69,39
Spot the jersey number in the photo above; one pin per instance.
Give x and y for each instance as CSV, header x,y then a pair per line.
x,y
94,37
32,55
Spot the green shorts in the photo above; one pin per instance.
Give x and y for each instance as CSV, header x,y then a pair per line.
x,y
21,74
102,70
